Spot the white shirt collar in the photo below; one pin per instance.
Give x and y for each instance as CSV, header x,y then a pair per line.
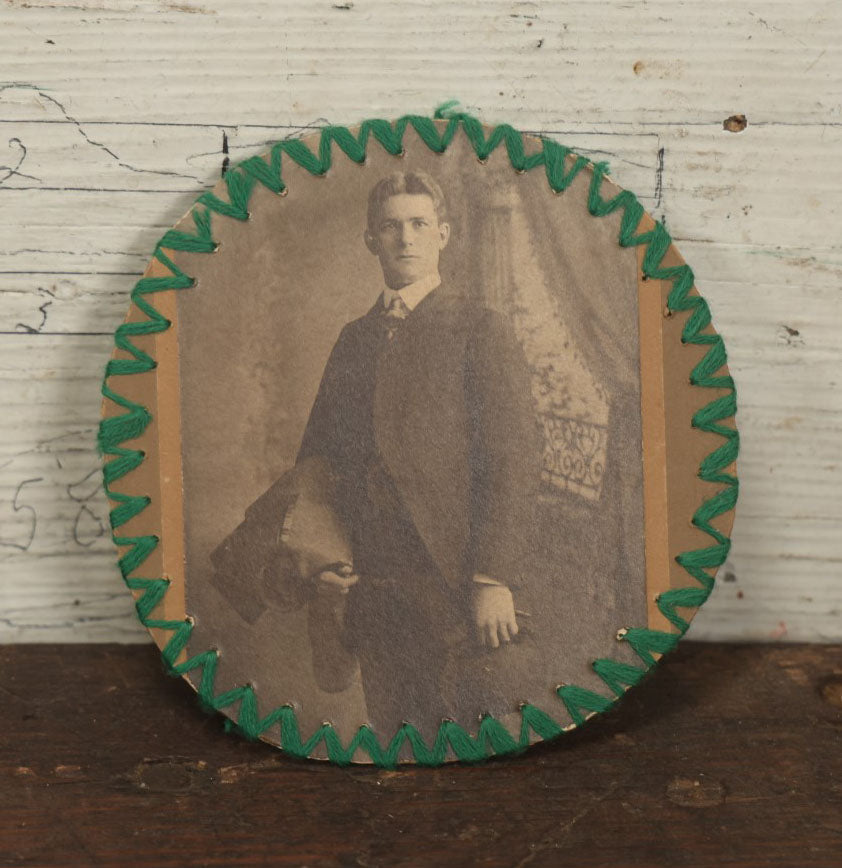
x,y
413,293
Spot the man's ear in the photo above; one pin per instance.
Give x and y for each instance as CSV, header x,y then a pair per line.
x,y
444,234
371,243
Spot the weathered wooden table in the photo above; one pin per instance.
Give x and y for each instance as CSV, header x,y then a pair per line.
x,y
726,755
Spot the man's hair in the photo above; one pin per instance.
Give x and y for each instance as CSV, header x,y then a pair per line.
x,y
404,182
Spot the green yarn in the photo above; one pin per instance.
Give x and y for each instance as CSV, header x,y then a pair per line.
x,y
577,699
618,676
561,167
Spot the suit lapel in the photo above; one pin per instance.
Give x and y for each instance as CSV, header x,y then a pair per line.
x,y
420,424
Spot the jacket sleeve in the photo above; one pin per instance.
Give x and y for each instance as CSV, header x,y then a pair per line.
x,y
505,451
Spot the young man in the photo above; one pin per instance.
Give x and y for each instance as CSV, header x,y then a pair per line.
x,y
425,418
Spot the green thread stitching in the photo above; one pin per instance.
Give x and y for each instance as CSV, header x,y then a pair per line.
x,y
492,737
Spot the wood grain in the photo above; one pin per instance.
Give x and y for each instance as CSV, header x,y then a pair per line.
x,y
726,755
114,116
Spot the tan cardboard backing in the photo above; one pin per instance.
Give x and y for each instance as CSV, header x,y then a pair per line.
x,y
672,449
159,475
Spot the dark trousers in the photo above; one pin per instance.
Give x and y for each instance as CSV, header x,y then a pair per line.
x,y
405,631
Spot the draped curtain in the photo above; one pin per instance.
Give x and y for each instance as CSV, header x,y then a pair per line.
x,y
526,252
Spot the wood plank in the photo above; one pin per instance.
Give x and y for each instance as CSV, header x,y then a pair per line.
x,y
114,116
666,62
725,755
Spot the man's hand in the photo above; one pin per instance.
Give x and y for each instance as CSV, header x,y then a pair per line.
x,y
494,614
333,585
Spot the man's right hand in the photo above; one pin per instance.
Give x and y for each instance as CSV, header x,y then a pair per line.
x,y
335,584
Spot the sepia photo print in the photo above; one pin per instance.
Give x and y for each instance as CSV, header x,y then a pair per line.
x,y
411,442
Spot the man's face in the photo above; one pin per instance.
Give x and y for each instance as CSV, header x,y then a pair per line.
x,y
407,238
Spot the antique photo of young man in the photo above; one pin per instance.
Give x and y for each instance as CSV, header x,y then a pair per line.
x,y
424,415
461,488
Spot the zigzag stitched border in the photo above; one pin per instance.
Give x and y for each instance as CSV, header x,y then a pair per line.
x,y
561,167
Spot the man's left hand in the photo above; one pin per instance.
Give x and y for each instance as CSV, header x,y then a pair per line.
x,y
494,614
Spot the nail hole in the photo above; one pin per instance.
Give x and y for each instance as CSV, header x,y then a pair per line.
x,y
830,690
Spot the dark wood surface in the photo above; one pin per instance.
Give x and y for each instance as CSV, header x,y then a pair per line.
x,y
726,755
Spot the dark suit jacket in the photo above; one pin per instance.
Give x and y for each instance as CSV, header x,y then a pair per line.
x,y
449,407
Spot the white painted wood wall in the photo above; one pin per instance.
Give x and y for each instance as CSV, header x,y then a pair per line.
x,y
112,119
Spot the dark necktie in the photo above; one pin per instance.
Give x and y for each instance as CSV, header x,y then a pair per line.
x,y
394,315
